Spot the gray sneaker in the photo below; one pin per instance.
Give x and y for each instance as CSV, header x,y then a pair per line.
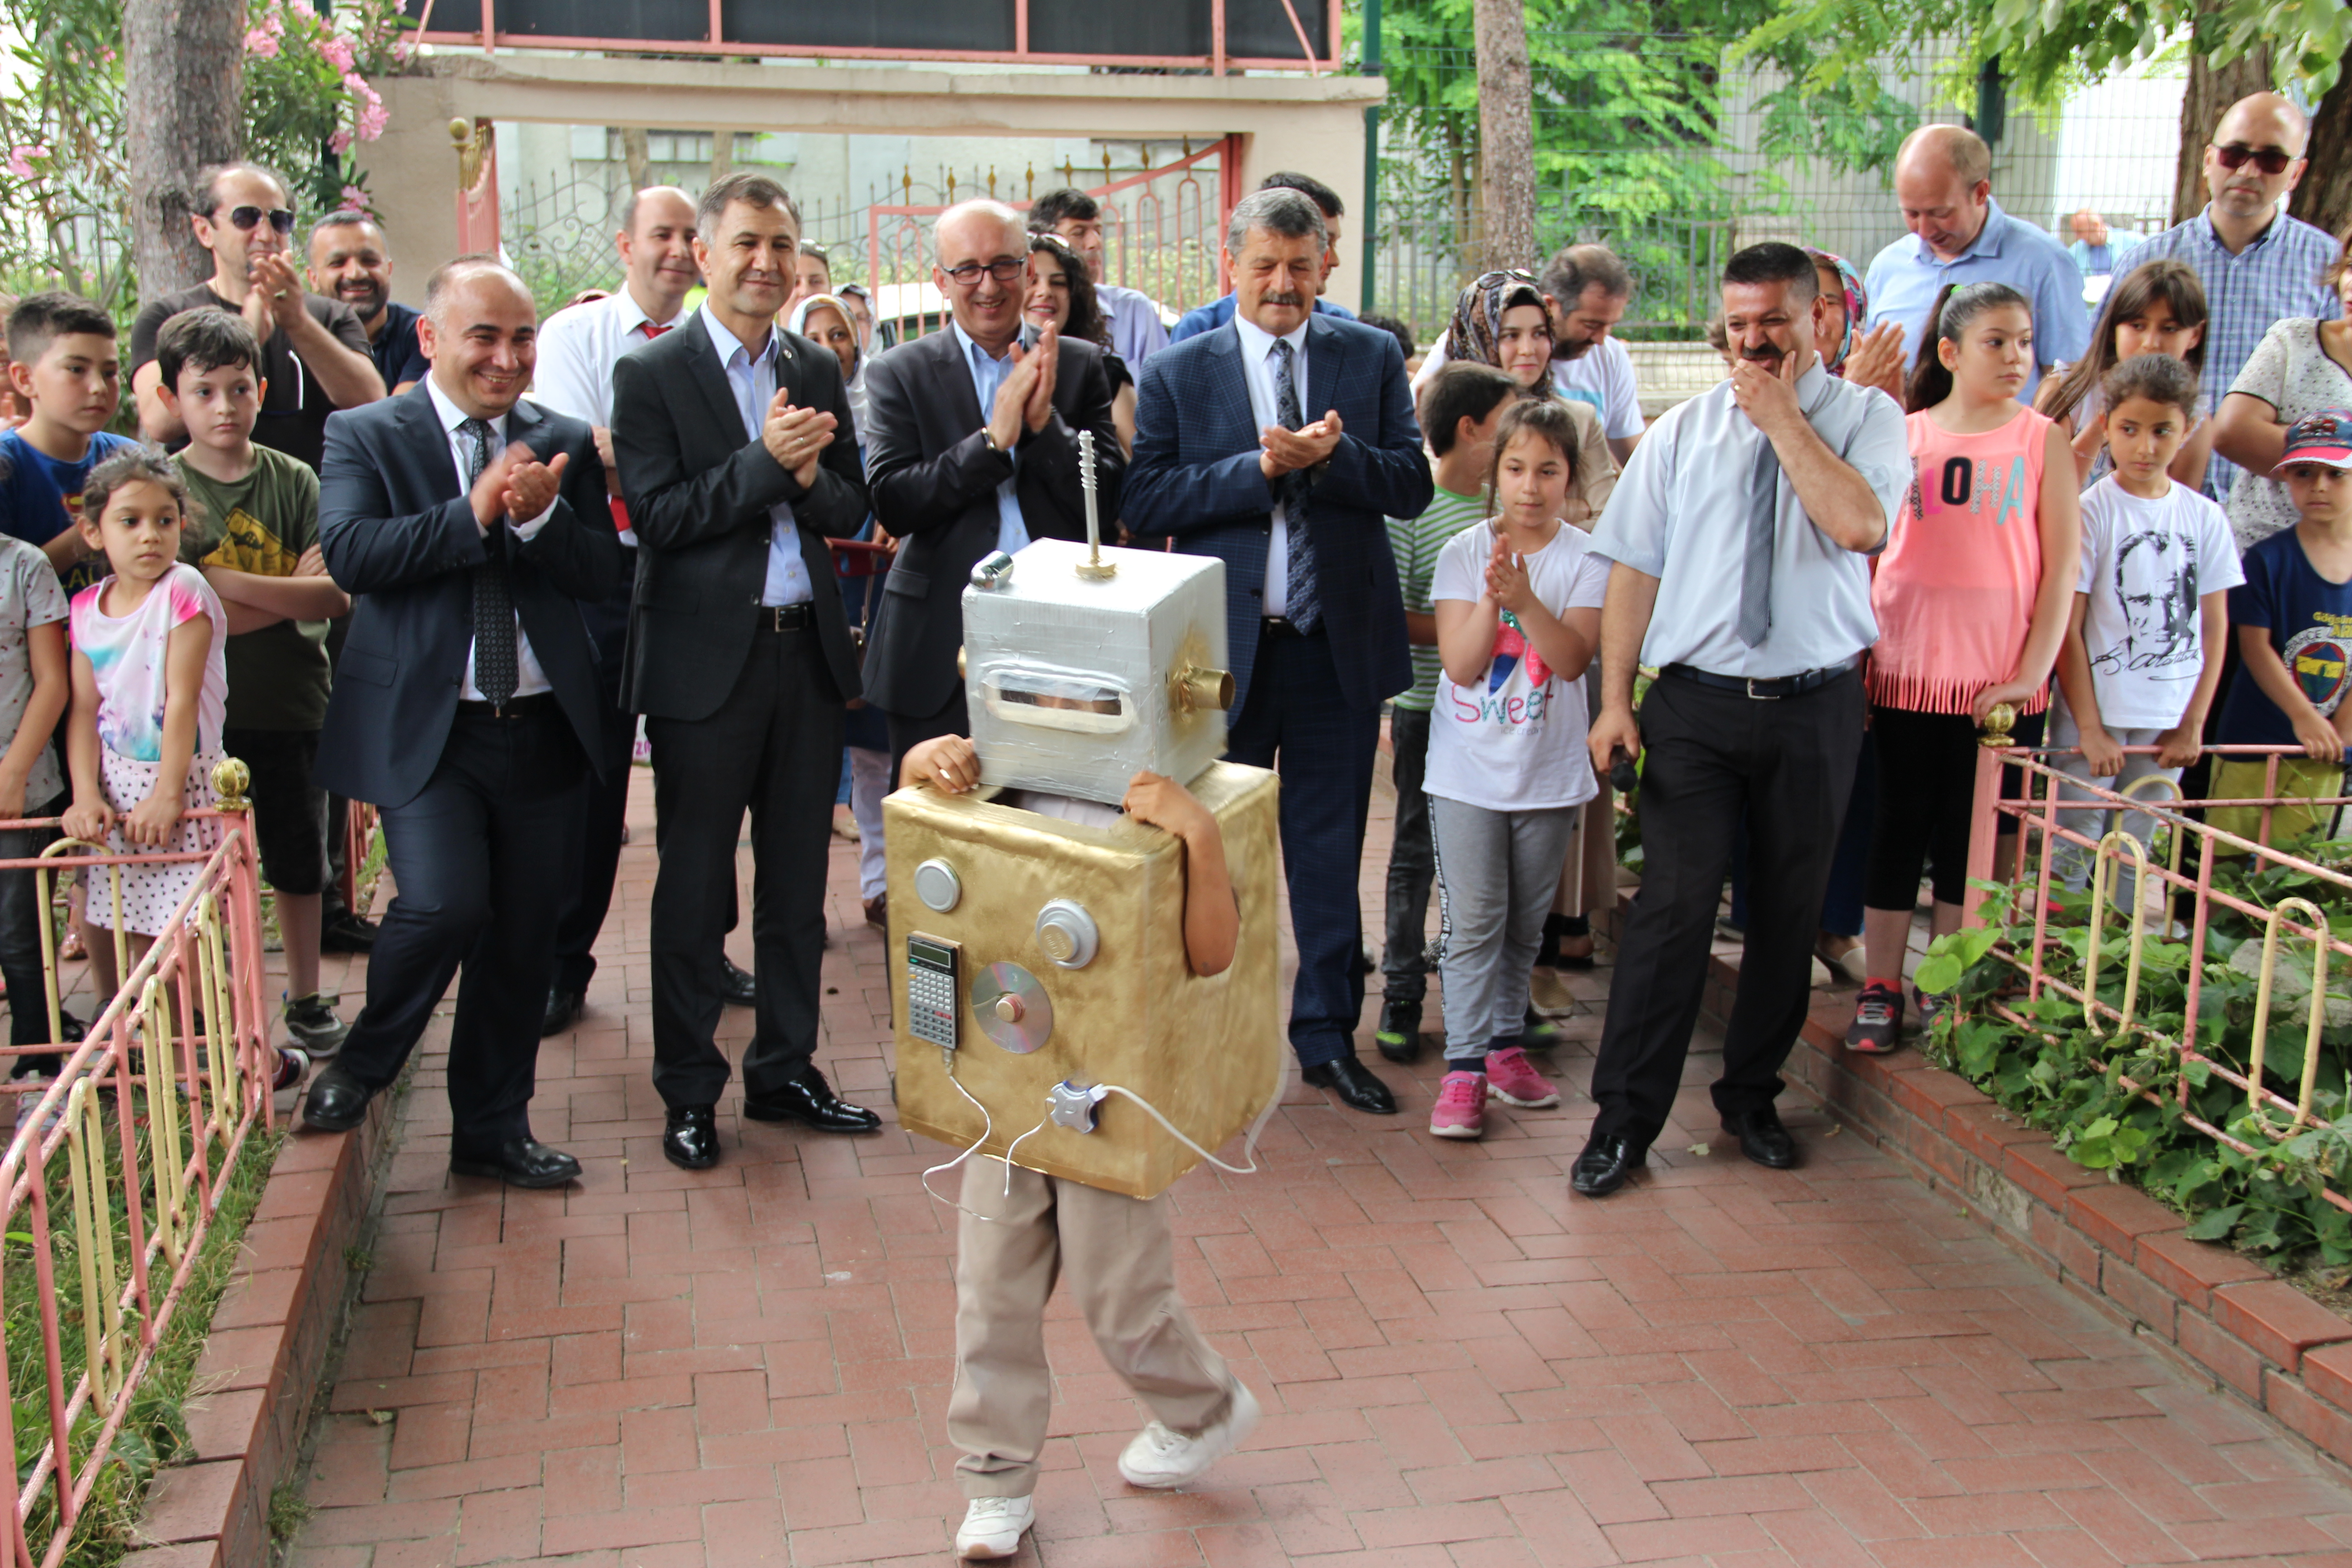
x,y
1932,1005
311,1024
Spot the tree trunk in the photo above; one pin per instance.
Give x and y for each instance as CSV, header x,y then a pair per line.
x,y
2211,89
636,153
2325,197
1506,142
723,152
183,82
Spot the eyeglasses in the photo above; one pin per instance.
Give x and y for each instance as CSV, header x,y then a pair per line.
x,y
1005,270
2237,155
243,219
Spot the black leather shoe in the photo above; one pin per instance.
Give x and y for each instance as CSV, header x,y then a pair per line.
x,y
563,1007
1353,1082
1398,1035
348,932
809,1100
519,1163
337,1102
690,1137
1763,1140
735,985
1605,1163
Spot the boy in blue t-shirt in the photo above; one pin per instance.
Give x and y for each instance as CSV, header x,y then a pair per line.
x,y
65,365
2294,616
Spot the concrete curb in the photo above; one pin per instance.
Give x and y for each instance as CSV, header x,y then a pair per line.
x,y
2217,1314
269,1344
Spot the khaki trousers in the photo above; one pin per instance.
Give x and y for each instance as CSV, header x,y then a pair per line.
x,y
1120,1258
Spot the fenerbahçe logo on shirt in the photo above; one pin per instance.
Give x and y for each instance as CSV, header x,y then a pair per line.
x,y
2316,657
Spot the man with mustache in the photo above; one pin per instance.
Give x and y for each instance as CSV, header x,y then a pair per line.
x,y
1741,534
470,527
2260,265
1228,463
1943,183
972,446
351,260
737,462
578,347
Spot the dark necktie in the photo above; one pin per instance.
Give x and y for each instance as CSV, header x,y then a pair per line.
x,y
1303,605
495,669
1755,564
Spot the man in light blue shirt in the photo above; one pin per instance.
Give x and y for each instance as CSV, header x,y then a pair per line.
x,y
1075,218
1943,180
2098,251
1741,533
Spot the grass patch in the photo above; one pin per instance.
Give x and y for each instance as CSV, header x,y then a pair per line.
x,y
154,1432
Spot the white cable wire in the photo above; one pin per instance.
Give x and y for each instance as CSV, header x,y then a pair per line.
x,y
988,1126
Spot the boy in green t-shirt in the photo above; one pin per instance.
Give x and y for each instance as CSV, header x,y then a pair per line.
x,y
254,532
1459,408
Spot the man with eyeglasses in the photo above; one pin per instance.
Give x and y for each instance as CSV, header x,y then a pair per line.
x,y
1943,183
2258,265
972,446
316,349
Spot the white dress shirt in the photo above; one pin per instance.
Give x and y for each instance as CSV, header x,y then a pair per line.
x,y
1258,371
987,379
752,380
1680,514
578,347
529,677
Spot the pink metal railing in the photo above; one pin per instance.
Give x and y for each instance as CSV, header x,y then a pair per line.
x,y
159,1129
2041,821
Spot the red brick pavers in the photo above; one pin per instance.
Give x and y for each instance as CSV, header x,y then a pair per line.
x,y
1461,1363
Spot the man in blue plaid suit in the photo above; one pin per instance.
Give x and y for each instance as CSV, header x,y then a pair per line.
x,y
1227,465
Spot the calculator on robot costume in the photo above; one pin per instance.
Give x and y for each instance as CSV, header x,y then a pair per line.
x,y
934,999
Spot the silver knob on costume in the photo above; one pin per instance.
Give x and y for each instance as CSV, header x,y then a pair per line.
x,y
937,884
994,570
1067,933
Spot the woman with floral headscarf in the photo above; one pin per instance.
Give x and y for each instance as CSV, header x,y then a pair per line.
x,y
1500,319
1868,358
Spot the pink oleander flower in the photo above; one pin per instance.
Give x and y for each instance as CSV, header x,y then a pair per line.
x,y
261,42
336,52
371,121
402,50
20,160
338,143
354,199
354,83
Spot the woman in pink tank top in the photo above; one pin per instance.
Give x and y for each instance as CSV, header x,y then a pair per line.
x,y
1972,596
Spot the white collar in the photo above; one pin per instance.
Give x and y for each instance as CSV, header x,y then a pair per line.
x,y
727,342
634,316
1257,342
451,416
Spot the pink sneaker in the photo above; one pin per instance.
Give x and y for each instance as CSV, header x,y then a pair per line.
x,y
1510,1079
1461,1107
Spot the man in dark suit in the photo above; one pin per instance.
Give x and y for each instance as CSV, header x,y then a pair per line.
x,y
470,527
972,446
1226,463
737,460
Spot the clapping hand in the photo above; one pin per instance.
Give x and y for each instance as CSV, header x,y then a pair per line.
x,y
796,438
277,291
1010,414
531,486
1876,360
1507,577
1284,451
1044,362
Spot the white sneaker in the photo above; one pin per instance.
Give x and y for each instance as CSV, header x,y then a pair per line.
x,y
1162,1459
992,1526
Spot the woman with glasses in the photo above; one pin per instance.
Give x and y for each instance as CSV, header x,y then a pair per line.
x,y
316,348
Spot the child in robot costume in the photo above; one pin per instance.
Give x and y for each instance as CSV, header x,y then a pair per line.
x,y
1020,1230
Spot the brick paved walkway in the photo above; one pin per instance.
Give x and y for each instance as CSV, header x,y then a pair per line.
x,y
1461,1364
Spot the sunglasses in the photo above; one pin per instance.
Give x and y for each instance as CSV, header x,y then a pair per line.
x,y
2237,155
243,219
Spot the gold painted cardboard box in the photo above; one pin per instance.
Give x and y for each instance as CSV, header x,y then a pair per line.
x,y
1205,1051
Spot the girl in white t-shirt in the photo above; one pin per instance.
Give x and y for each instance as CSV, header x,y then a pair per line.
x,y
1517,602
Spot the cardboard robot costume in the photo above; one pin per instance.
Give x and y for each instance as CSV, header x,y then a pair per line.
x,y
1039,964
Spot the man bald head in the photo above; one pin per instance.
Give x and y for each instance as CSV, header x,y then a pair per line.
x,y
480,329
656,243
1943,183
2255,158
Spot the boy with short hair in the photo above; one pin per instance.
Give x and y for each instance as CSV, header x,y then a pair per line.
x,y
1458,407
2143,655
68,370
1020,1230
253,531
2294,615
